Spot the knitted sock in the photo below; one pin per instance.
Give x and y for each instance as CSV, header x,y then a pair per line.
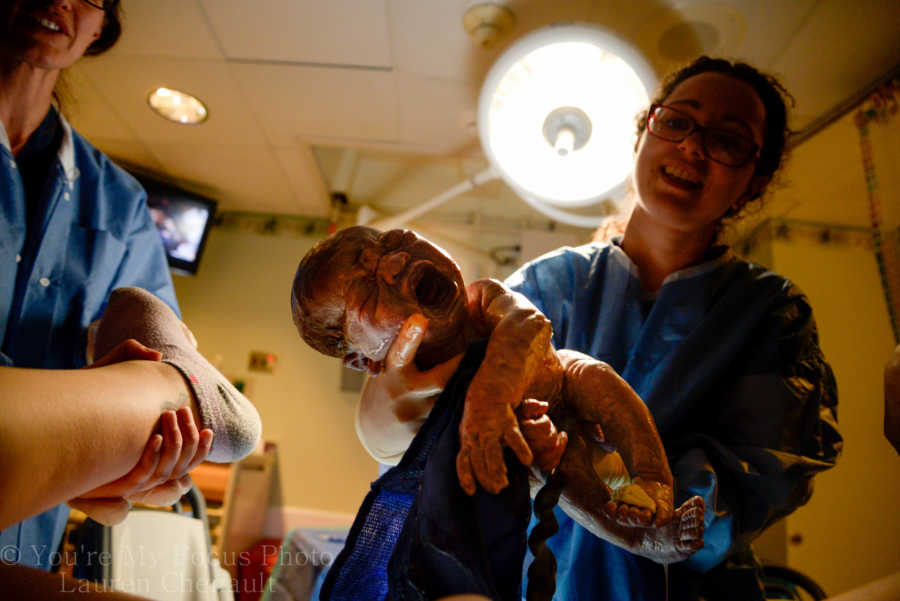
x,y
135,313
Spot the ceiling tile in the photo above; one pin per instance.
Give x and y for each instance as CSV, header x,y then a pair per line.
x,y
375,177
767,37
436,112
125,82
305,179
89,111
166,28
428,38
248,178
292,101
345,32
129,154
841,48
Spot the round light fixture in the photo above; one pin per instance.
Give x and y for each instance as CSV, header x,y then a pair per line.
x,y
556,115
178,106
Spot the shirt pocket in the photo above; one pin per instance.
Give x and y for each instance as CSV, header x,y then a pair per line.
x,y
92,260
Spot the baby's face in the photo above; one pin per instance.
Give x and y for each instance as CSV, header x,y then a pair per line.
x,y
385,278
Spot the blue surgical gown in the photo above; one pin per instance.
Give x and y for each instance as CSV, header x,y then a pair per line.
x,y
97,235
726,357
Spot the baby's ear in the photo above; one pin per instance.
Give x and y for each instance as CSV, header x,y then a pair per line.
x,y
355,361
374,367
360,362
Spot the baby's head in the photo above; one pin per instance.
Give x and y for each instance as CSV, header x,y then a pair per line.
x,y
354,290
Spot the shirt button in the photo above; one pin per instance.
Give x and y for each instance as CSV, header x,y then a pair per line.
x,y
66,196
12,163
18,258
44,282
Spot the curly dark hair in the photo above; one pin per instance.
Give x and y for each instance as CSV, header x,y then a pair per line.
x,y
774,96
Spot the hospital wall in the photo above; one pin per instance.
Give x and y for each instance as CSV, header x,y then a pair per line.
x,y
240,302
847,534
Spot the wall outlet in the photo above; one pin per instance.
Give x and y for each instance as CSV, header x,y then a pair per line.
x,y
262,361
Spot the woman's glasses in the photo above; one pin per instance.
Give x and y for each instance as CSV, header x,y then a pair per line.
x,y
719,145
101,4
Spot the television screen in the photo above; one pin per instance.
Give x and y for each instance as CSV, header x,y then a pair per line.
x,y
183,221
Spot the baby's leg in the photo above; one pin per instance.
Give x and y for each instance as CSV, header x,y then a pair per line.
x,y
594,393
135,313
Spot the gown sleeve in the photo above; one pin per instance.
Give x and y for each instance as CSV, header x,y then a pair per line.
x,y
760,441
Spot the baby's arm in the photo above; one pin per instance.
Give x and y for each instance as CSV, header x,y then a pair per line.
x,y
519,359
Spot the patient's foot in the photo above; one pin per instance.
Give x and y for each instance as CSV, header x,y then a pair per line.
x,y
135,313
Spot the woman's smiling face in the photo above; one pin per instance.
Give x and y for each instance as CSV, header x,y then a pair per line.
x,y
55,34
677,185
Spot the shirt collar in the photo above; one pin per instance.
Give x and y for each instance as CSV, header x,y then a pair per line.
x,y
66,152
4,138
716,256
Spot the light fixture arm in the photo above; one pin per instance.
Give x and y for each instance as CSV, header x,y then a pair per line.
x,y
395,221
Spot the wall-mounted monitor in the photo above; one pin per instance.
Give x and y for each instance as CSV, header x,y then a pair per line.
x,y
183,220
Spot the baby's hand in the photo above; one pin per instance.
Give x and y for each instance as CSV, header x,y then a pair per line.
x,y
160,476
486,427
547,444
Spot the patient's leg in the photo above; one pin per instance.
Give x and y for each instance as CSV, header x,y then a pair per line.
x,y
135,313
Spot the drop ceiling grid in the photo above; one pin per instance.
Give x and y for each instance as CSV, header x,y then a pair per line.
x,y
428,39
305,180
89,111
243,177
129,154
344,32
229,120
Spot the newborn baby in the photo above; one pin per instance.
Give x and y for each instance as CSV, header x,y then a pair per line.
x,y
354,291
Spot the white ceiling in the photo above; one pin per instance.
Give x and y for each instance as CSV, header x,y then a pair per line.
x,y
290,84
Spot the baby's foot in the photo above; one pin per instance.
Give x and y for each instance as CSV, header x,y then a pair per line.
x,y
680,538
135,313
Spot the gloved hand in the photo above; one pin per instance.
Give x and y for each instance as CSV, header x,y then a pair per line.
x,y
394,404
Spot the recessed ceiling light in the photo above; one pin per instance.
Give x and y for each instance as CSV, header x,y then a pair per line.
x,y
178,106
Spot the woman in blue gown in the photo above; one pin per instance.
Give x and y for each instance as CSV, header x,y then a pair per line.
x,y
724,352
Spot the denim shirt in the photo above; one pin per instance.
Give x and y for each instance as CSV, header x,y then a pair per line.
x,y
726,358
96,235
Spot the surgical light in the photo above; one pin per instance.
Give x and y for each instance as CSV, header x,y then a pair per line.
x,y
556,115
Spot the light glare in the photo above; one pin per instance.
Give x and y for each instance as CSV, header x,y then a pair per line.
x,y
575,74
177,106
